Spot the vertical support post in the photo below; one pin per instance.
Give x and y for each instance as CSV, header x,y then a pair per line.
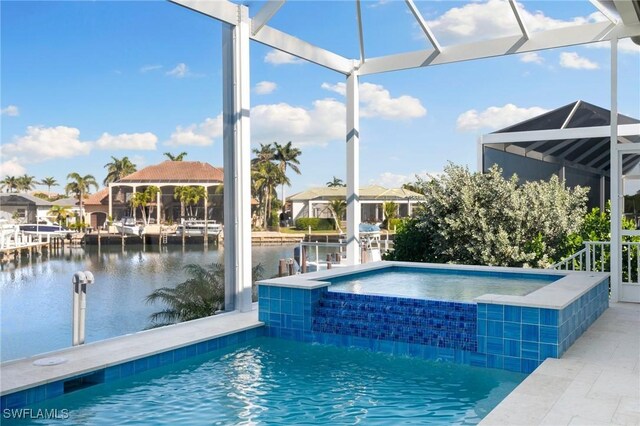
x,y
158,206
353,170
603,198
110,201
616,238
133,209
237,167
480,158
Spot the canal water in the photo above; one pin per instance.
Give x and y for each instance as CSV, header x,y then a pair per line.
x,y
36,296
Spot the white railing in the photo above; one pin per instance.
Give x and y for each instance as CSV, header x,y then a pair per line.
x,y
594,257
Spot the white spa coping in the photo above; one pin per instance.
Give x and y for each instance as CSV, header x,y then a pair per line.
x,y
557,295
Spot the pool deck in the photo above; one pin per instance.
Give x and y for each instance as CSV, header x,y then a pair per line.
x,y
23,374
596,382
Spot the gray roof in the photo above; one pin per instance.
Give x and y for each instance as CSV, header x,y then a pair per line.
x,y
590,154
21,199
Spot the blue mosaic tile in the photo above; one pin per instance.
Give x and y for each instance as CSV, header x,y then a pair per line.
x,y
548,334
530,333
512,348
495,345
513,313
512,330
549,317
548,351
495,328
495,312
530,315
511,363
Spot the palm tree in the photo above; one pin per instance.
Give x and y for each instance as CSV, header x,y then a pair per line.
x,y
142,200
287,156
338,208
178,157
189,196
25,183
266,153
10,183
49,182
390,210
335,182
80,186
266,177
201,295
117,169
60,213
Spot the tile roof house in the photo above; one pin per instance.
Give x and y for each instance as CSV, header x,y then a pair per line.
x,y
314,202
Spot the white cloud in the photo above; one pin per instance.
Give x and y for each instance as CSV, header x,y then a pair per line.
x,y
201,134
180,71
624,46
11,111
12,167
376,101
147,68
494,18
133,141
495,117
575,61
531,57
46,143
277,57
323,123
265,87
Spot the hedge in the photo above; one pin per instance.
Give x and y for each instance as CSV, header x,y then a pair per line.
x,y
316,223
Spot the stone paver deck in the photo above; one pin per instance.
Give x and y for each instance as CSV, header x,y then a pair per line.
x,y
596,382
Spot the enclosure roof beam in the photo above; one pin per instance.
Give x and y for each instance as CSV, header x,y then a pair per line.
x,y
228,12
560,37
423,24
555,134
264,15
516,13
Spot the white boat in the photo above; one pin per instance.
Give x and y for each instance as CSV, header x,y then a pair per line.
x,y
197,227
128,226
43,228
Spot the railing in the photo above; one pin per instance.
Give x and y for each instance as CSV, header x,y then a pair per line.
x,y
596,257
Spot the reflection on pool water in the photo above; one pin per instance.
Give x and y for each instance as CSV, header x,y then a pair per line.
x,y
272,381
440,284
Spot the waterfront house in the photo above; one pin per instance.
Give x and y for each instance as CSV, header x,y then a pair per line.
x,y
315,202
114,201
24,208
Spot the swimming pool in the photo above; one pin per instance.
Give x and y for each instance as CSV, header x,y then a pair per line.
x,y
439,284
272,381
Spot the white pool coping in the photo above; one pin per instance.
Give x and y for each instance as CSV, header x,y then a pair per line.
x,y
556,295
596,382
21,374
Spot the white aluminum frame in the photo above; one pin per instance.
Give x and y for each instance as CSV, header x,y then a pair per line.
x,y
236,156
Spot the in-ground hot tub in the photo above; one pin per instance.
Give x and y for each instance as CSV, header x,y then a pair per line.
x,y
509,318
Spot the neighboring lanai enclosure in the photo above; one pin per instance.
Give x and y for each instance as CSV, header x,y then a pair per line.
x,y
242,24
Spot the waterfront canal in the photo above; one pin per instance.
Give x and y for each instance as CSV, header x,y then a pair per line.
x,y
36,295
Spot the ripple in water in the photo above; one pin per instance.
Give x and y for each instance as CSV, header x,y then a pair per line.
x,y
278,382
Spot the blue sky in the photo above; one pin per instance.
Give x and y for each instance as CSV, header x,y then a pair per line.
x,y
84,81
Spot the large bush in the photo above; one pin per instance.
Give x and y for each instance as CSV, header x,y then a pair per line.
x,y
485,219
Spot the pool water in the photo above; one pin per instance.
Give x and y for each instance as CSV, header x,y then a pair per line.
x,y
439,284
272,381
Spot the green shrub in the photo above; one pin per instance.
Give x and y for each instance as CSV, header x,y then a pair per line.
x,y
485,219
316,223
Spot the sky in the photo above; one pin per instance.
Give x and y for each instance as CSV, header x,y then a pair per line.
x,y
84,81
